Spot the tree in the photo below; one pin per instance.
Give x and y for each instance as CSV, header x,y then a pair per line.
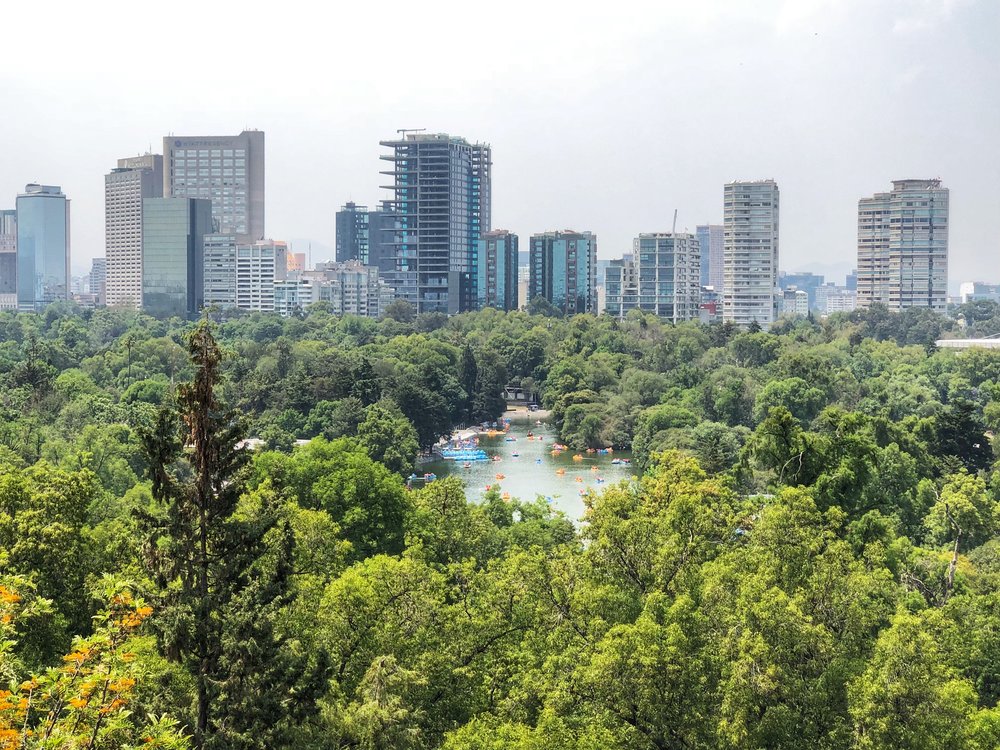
x,y
85,701
960,432
909,697
487,398
468,374
399,310
795,394
389,437
365,499
220,583
42,514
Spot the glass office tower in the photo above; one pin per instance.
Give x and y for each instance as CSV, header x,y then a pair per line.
x,y
42,247
173,255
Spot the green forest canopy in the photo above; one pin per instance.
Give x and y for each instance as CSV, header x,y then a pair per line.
x,y
809,559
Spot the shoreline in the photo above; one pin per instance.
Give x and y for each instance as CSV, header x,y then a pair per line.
x,y
521,415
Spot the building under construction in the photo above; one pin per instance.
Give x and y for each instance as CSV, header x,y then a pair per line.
x,y
441,206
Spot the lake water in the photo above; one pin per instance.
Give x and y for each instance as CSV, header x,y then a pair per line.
x,y
534,470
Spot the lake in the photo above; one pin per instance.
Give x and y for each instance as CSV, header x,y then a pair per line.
x,y
534,470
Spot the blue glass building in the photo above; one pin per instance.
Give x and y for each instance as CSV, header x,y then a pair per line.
x,y
42,247
563,270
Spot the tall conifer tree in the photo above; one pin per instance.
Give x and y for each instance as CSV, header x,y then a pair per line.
x,y
223,575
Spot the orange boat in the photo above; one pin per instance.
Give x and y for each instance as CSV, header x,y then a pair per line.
x,y
500,476
577,457
560,472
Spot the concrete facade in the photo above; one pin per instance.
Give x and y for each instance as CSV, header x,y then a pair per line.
x,y
750,252
228,171
125,187
8,259
903,246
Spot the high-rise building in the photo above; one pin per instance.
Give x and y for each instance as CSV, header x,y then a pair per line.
x,y
750,253
98,281
8,259
258,266
441,205
220,270
173,255
903,246
711,240
293,296
352,233
134,179
228,170
497,275
662,276
621,286
792,301
564,270
381,236
243,275
42,247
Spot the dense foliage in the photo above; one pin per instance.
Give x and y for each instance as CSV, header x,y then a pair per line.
x,y
809,560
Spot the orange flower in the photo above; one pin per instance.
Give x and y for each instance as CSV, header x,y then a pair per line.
x,y
6,595
77,702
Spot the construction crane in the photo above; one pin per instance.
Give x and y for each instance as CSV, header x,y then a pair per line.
x,y
673,229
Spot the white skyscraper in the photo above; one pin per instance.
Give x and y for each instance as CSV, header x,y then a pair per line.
x,y
258,266
750,253
125,187
903,246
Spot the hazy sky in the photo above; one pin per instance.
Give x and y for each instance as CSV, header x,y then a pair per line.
x,y
602,116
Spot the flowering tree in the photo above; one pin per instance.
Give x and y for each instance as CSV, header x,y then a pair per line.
x,y
85,701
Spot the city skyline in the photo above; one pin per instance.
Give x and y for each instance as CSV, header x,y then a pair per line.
x,y
624,161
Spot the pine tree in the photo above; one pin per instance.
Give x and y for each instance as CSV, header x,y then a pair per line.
x,y
222,578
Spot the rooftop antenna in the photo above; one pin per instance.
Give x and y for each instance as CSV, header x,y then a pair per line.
x,y
404,131
673,229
